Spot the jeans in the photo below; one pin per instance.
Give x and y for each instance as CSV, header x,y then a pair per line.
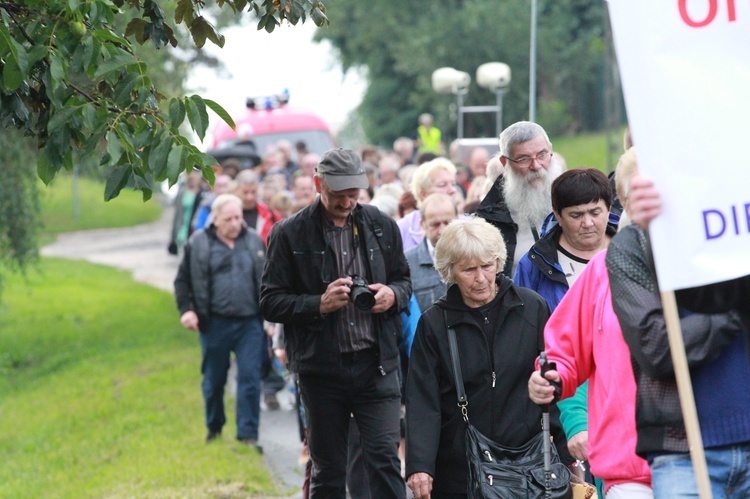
x,y
728,470
357,389
244,337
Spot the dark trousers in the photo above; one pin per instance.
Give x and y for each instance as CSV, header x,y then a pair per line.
x,y
374,400
356,470
244,337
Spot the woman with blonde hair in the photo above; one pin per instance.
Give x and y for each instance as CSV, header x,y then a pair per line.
x,y
499,331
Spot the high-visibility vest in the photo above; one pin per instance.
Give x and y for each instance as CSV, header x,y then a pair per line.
x,y
429,139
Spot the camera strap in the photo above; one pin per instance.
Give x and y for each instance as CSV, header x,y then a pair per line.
x,y
355,248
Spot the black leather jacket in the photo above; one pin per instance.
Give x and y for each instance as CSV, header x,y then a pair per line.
x,y
299,266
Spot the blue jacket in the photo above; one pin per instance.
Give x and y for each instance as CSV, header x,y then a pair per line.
x,y
539,269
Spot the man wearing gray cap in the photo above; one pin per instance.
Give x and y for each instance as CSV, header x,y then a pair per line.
x,y
337,278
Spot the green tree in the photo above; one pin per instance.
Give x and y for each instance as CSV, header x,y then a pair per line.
x,y
405,45
85,83
75,83
18,202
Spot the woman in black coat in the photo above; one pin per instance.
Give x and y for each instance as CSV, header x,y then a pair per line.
x,y
500,332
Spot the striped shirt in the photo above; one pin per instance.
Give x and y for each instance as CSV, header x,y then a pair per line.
x,y
353,327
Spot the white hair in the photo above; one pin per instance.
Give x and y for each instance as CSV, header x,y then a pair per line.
x,y
474,238
222,200
421,181
530,203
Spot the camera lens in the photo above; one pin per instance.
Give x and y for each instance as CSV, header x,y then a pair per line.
x,y
363,298
360,295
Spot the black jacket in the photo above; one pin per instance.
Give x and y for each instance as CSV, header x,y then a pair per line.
x,y
720,297
435,428
495,211
637,303
299,266
192,286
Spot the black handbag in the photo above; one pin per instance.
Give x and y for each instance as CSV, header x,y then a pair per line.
x,y
499,472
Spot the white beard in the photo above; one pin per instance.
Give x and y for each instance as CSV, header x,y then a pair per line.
x,y
528,197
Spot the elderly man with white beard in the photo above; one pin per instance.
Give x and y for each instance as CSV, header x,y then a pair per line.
x,y
520,199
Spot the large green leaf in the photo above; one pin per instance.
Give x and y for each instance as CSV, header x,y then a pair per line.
x,y
197,114
114,149
12,75
184,12
60,118
56,68
176,163
221,112
199,30
137,27
16,61
116,181
105,35
115,63
157,158
125,87
176,112
45,169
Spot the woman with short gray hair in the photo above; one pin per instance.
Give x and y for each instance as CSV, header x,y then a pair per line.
x,y
499,330
473,239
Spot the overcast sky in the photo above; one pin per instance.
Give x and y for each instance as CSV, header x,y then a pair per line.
x,y
261,64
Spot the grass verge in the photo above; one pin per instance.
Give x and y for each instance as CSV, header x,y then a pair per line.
x,y
100,394
589,150
57,206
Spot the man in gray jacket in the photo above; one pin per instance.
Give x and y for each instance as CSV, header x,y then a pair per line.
x,y
217,290
438,210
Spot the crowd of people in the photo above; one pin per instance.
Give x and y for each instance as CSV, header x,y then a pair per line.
x,y
355,269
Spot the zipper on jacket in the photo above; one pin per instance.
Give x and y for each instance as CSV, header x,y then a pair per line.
x,y
494,378
382,371
489,477
489,456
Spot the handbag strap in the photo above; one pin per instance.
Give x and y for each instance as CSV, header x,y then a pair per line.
x,y
456,364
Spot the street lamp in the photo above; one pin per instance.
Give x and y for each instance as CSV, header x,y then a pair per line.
x,y
495,76
492,75
452,81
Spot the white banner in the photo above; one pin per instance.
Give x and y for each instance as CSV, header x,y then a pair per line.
x,y
685,69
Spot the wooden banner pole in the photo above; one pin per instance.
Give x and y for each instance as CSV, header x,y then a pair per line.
x,y
685,389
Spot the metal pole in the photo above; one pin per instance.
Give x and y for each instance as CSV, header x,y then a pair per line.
x,y
499,116
460,99
532,64
76,197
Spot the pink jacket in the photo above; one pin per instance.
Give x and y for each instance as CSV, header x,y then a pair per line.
x,y
584,338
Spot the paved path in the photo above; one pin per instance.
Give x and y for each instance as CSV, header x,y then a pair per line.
x,y
142,250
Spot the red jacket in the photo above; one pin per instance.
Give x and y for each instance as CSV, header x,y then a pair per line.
x,y
584,338
266,218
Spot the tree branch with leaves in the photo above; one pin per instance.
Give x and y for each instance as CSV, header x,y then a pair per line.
x,y
73,81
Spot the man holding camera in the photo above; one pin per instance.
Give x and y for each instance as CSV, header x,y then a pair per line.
x,y
337,278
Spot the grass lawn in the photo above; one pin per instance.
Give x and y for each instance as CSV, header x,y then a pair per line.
x,y
125,210
589,150
100,397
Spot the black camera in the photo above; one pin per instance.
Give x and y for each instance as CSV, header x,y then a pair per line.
x,y
360,294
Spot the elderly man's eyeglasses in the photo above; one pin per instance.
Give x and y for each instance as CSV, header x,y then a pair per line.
x,y
525,161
